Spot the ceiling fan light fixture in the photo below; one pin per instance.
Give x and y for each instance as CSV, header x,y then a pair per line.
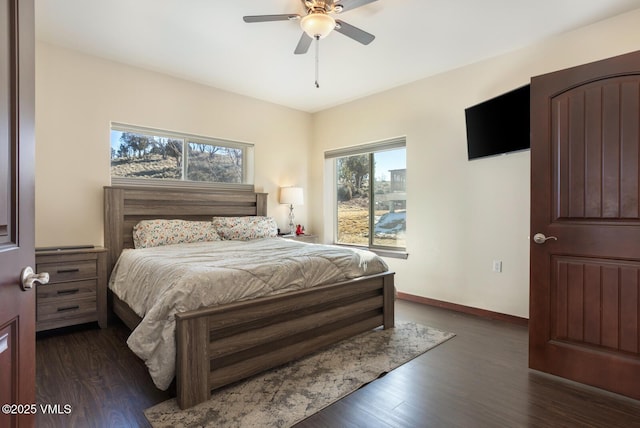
x,y
317,25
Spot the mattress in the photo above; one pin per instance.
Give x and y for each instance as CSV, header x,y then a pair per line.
x,y
159,282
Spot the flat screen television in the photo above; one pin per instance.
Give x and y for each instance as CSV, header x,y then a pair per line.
x,y
499,125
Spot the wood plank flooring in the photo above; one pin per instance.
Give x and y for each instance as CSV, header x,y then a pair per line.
x,y
477,379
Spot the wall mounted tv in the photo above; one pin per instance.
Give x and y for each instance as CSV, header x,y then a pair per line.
x,y
499,125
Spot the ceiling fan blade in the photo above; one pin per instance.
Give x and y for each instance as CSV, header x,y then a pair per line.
x,y
354,32
303,44
352,4
267,18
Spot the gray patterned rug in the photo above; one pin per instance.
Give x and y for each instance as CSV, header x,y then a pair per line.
x,y
284,396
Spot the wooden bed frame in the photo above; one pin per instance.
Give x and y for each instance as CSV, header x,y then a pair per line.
x,y
220,345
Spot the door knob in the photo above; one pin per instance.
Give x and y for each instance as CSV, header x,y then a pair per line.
x,y
28,277
539,238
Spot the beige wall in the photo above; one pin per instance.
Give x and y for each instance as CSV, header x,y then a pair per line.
x,y
77,96
461,215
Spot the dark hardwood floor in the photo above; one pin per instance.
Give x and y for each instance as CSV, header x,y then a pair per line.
x,y
477,379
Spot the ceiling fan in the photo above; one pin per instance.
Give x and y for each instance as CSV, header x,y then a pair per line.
x,y
318,23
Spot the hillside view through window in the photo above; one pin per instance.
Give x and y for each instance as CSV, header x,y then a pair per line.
x,y
147,155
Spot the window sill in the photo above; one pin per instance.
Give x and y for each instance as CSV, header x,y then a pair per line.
x,y
382,252
179,184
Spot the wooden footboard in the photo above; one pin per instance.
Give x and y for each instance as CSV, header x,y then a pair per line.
x,y
221,345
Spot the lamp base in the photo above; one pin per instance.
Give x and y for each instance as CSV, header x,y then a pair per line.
x,y
292,224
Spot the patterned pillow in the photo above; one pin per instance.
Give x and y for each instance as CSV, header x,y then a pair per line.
x,y
154,233
245,228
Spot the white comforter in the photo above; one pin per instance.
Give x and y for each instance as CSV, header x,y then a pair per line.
x,y
159,282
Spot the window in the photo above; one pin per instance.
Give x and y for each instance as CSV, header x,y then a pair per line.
x,y
371,197
163,158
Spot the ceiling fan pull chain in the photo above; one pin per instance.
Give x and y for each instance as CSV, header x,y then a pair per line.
x,y
317,59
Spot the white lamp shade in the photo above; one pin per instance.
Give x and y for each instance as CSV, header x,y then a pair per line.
x,y
291,196
317,24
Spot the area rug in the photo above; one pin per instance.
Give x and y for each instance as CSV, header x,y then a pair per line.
x,y
284,396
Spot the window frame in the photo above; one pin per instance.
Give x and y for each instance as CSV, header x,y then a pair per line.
x,y
183,183
370,150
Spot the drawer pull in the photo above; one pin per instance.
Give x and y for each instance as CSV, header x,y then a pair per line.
x,y
68,308
65,292
68,270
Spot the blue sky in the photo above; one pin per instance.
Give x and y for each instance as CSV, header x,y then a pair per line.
x,y
392,159
115,139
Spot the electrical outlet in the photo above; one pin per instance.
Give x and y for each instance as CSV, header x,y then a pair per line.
x,y
497,266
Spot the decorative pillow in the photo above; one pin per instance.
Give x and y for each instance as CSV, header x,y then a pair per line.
x,y
154,233
245,228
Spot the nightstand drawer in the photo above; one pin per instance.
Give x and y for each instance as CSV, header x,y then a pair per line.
x,y
69,271
77,288
49,292
67,308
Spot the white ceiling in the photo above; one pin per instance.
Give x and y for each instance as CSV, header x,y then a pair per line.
x,y
206,41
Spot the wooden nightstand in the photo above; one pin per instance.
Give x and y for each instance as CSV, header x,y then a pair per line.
x,y
77,288
312,239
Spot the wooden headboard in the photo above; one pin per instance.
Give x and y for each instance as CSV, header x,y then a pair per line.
x,y
126,206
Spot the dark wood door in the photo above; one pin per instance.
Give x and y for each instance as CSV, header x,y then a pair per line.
x,y
17,307
585,286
